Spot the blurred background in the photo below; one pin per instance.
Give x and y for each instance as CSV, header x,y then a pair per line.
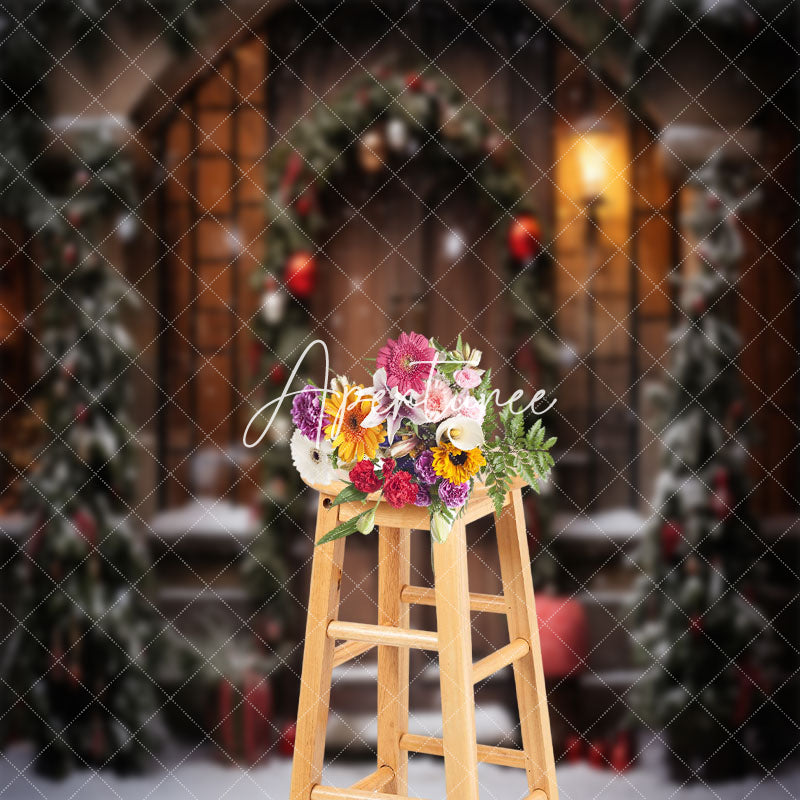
x,y
600,196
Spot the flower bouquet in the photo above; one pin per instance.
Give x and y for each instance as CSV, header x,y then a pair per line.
x,y
424,434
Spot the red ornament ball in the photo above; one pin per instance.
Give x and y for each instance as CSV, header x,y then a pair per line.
x,y
524,238
70,254
278,374
301,274
414,82
86,526
671,536
288,736
304,204
82,177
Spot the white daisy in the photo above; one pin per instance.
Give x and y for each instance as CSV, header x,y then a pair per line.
x,y
312,462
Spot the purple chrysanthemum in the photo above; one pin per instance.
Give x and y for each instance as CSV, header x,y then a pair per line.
x,y
423,496
423,466
306,412
453,495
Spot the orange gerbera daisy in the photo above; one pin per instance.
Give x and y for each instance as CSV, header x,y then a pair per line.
x,y
347,410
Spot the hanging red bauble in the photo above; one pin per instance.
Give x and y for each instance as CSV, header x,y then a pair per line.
x,y
81,412
736,411
288,735
621,751
304,203
74,217
82,177
699,307
254,355
598,753
671,537
278,374
722,496
301,274
70,254
574,749
414,82
696,625
524,238
85,524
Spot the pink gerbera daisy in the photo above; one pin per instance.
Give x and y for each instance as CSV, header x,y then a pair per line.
x,y
408,362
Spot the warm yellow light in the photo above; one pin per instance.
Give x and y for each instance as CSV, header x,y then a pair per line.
x,y
593,160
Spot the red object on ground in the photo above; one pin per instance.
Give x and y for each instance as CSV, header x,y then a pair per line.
x,y
598,753
563,634
574,749
621,754
244,717
525,237
301,274
288,735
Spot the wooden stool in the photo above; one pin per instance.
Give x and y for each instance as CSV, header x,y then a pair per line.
x,y
453,641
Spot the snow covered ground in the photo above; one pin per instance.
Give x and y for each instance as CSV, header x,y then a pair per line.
x,y
202,778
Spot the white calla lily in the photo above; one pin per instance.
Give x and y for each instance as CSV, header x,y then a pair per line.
x,y
462,432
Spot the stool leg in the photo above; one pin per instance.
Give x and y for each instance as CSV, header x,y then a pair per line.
x,y
315,682
455,665
394,572
515,569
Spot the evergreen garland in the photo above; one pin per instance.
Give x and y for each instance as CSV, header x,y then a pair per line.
x,y
709,652
76,671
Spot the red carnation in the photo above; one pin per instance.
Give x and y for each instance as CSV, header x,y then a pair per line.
x,y
364,478
399,489
388,466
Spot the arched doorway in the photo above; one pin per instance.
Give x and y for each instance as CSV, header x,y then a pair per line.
x,y
388,242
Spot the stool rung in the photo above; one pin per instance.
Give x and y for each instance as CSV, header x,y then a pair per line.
x,y
383,634
502,657
537,794
349,650
433,746
331,793
421,596
375,781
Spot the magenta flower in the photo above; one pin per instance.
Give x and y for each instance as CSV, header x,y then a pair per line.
x,y
408,362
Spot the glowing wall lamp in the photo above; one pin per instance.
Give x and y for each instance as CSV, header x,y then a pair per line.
x,y
593,150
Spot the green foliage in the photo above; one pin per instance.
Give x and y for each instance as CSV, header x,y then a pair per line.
x,y
345,528
512,450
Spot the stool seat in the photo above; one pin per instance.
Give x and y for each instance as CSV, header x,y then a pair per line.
x,y
479,505
452,640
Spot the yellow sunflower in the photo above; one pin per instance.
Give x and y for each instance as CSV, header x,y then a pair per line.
x,y
457,466
346,412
